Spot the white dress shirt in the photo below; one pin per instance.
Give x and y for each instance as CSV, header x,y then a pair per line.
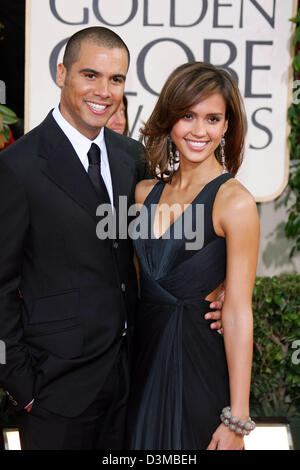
x,y
82,145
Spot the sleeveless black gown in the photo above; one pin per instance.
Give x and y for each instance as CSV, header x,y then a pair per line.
x,y
180,377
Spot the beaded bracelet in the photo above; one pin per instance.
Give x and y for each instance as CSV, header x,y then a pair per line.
x,y
235,424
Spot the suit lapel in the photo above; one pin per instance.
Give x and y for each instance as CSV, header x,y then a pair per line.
x,y
122,172
64,168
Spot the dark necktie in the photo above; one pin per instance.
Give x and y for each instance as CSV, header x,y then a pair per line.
x,y
94,172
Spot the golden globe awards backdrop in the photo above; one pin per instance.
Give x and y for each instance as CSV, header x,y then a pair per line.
x,y
250,38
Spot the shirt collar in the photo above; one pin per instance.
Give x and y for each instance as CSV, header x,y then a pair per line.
x,y
78,140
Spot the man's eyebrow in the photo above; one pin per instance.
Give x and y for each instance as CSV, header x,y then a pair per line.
x,y
95,72
119,75
89,71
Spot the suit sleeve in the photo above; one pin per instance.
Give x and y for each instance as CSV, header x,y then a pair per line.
x,y
16,374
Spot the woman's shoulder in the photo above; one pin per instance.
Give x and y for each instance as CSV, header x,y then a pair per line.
x,y
143,188
235,195
234,208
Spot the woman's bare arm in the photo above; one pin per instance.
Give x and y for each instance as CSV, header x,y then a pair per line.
x,y
236,217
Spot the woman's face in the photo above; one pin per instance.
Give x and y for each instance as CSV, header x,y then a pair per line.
x,y
118,120
198,133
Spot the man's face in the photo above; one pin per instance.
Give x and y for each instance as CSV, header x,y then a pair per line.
x,y
92,89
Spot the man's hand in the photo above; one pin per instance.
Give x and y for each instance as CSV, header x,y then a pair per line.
x,y
216,316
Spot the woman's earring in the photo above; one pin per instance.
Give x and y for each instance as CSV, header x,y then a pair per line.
x,y
171,155
173,159
222,144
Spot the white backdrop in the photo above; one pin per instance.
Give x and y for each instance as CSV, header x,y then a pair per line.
x,y
250,37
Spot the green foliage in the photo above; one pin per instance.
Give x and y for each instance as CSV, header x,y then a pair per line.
x,y
292,227
275,389
7,117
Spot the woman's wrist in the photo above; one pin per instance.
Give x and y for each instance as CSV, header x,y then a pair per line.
x,y
236,423
240,413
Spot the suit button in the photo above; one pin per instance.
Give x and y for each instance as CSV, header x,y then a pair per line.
x,y
124,332
115,244
123,287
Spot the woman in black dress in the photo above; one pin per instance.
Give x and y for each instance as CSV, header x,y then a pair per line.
x,y
198,225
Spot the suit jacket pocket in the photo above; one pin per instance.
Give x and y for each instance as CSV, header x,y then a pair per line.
x,y
58,307
54,325
65,343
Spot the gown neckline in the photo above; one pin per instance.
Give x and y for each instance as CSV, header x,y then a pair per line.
x,y
182,213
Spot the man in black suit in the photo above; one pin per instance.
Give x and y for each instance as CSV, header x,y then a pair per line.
x,y
66,296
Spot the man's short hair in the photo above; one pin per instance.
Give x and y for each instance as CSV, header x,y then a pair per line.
x,y
99,35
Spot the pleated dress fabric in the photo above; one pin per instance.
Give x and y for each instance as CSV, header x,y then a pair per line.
x,y
180,378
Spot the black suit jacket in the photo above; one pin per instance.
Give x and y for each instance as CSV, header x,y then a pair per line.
x,y
62,337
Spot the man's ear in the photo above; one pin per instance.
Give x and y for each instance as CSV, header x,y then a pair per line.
x,y
61,75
